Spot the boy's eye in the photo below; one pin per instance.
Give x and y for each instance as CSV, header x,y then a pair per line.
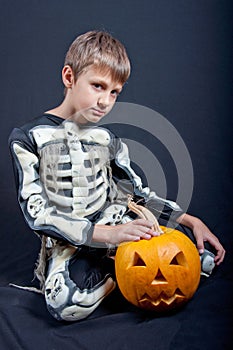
x,y
115,92
97,86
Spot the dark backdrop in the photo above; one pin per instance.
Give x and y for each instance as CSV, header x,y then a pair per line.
x,y
182,67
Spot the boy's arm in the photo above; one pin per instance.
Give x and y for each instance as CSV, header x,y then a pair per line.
x,y
164,208
131,183
131,231
202,234
39,214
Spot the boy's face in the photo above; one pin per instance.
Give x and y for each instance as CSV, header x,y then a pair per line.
x,y
93,95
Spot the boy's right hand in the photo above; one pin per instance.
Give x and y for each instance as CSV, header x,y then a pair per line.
x,y
131,231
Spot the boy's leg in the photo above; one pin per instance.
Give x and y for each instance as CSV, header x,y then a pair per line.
x,y
77,282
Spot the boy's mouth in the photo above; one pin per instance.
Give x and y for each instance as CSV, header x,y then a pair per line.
x,y
98,112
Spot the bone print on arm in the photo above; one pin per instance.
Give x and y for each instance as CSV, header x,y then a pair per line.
x,y
40,213
132,183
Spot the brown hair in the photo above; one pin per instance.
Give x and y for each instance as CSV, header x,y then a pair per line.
x,y
99,48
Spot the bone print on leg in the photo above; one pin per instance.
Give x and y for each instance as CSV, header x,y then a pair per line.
x,y
67,300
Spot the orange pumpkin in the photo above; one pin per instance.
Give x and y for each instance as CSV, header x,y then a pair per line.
x,y
158,274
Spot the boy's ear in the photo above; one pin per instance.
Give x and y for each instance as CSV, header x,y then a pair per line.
x,y
67,76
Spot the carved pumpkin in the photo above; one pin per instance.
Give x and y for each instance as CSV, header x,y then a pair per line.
x,y
158,274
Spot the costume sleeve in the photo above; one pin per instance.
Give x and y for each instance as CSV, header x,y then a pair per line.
x,y
129,182
40,215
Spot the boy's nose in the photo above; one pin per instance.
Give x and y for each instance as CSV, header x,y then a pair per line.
x,y
104,101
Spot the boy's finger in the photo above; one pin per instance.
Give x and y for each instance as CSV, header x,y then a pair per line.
x,y
200,246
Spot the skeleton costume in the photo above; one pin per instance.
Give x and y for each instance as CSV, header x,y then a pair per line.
x,y
68,179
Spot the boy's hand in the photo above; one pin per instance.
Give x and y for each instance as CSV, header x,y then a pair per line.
x,y
132,231
203,234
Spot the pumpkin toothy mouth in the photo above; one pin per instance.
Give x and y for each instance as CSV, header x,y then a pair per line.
x,y
163,300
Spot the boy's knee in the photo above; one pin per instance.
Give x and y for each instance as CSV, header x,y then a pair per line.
x,y
66,302
69,312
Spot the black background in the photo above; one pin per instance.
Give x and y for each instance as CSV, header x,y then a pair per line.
x,y
181,55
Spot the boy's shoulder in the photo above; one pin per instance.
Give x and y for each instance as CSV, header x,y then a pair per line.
x,y
43,127
40,121
44,119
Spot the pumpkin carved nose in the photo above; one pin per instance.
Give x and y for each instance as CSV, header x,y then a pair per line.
x,y
159,278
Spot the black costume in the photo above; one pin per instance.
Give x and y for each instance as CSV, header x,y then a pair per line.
x,y
70,178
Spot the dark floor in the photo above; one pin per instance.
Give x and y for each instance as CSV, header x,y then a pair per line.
x,y
204,323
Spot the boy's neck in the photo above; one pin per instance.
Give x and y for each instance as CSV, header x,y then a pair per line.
x,y
57,112
65,111
62,111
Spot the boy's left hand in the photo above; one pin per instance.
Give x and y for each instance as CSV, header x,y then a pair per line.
x,y
203,234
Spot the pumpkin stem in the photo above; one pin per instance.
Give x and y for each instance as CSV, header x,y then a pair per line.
x,y
144,213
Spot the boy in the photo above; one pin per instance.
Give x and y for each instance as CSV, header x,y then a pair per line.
x,y
73,180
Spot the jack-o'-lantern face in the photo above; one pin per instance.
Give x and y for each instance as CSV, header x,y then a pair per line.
x,y
158,274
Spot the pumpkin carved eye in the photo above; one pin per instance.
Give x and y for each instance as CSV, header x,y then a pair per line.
x,y
179,259
138,261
